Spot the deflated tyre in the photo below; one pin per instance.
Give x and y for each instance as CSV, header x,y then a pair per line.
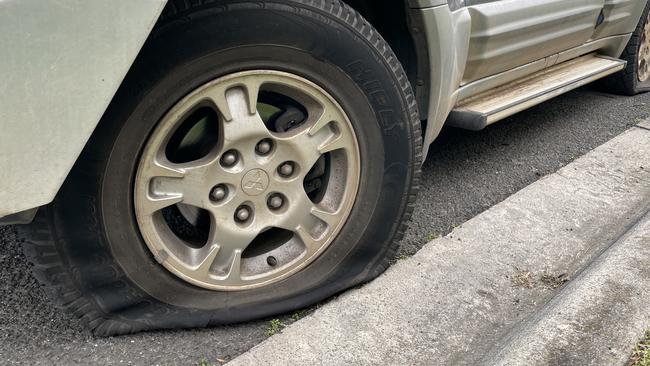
x,y
256,160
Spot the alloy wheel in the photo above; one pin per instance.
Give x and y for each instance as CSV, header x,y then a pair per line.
x,y
246,180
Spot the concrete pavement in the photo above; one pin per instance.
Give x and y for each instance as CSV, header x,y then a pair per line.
x,y
556,274
596,317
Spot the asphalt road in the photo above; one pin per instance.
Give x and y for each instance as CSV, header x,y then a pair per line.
x,y
465,173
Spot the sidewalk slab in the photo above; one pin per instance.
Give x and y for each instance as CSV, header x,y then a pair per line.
x,y
469,297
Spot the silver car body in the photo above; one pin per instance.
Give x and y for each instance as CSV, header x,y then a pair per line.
x,y
64,60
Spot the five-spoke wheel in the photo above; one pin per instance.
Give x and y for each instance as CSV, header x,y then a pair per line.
x,y
282,165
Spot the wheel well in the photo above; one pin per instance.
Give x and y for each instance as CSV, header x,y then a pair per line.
x,y
391,20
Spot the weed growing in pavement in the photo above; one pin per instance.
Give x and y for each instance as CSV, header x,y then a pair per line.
x,y
641,354
553,281
522,278
298,314
275,325
526,279
432,236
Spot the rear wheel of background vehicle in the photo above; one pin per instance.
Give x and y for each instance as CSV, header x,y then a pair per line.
x,y
255,160
635,78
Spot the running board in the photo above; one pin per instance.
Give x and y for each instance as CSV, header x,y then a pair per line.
x,y
477,112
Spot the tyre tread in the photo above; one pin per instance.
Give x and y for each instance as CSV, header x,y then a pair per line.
x,y
41,242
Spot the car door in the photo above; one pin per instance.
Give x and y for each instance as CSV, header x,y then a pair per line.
x,y
510,33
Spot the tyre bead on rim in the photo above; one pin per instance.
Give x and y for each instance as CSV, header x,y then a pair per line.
x,y
250,183
643,71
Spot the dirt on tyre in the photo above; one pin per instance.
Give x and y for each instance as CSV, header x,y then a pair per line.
x,y
635,78
255,160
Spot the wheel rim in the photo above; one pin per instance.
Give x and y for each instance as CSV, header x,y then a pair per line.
x,y
643,68
266,189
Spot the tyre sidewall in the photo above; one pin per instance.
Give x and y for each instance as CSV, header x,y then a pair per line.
x,y
327,53
637,42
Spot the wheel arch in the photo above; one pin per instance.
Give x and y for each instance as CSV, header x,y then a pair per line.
x,y
57,85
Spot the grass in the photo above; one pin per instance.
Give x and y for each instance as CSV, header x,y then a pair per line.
x,y
275,325
641,354
299,314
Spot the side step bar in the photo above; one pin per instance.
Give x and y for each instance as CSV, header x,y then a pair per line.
x,y
475,113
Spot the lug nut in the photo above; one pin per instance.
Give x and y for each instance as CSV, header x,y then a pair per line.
x,y
263,147
229,158
243,213
286,169
218,193
275,202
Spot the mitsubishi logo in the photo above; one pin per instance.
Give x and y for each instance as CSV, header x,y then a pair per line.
x,y
254,182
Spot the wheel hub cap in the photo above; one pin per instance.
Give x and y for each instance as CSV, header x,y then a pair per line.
x,y
255,182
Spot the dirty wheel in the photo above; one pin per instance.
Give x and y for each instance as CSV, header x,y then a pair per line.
x,y
242,170
247,180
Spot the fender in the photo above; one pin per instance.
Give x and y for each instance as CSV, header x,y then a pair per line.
x,y
445,35
62,62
